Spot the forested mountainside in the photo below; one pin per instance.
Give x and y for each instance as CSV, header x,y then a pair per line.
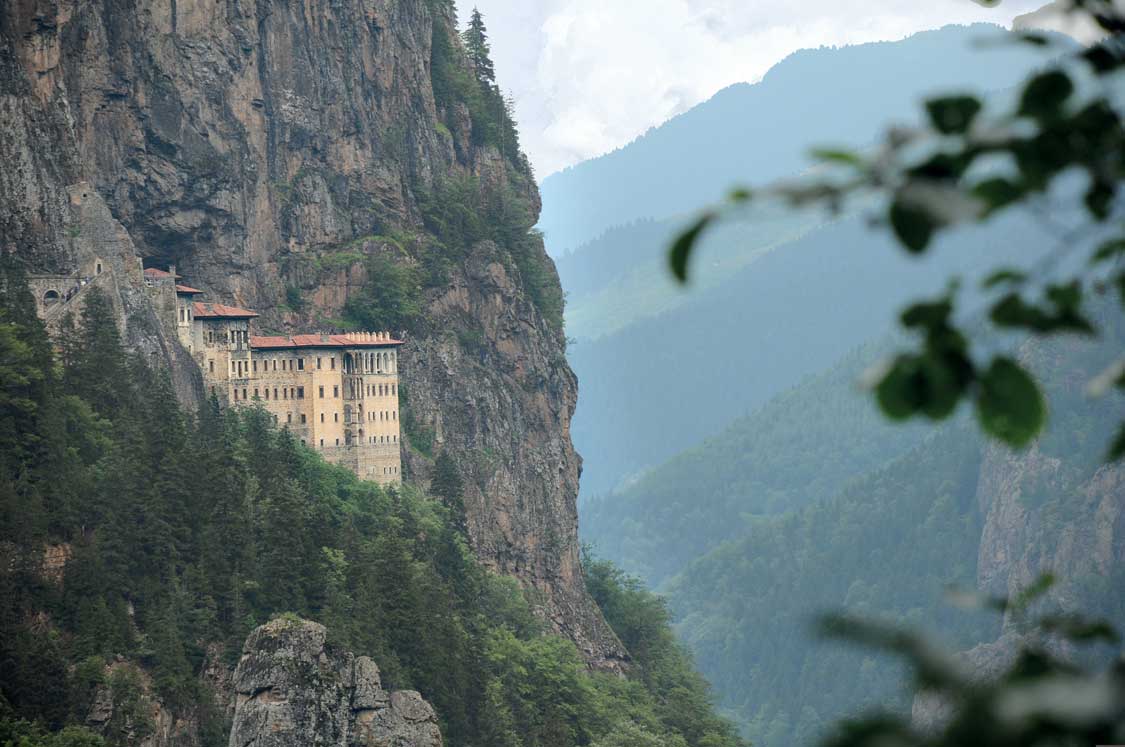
x,y
813,505
752,281
764,131
332,165
796,450
140,545
667,382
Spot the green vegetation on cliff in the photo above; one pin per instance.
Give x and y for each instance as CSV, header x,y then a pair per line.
x,y
141,544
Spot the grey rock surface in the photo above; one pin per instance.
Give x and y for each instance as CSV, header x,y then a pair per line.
x,y
248,142
294,689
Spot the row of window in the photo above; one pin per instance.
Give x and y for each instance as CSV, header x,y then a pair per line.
x,y
236,335
383,415
296,392
287,364
382,390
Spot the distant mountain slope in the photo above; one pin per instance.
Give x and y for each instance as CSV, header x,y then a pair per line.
x,y
622,276
763,132
797,450
950,511
667,382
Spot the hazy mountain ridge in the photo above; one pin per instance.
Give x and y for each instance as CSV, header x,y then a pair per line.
x,y
954,510
665,383
760,132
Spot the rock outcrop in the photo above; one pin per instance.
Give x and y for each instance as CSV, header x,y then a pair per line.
x,y
294,689
1045,511
267,149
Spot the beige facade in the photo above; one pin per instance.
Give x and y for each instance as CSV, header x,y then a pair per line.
x,y
337,393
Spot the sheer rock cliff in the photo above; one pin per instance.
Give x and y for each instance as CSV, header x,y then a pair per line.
x,y
267,149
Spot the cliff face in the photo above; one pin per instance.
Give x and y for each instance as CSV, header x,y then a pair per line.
x,y
1055,508
267,148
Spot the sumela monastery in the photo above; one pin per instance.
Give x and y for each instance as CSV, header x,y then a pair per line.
x,y
338,393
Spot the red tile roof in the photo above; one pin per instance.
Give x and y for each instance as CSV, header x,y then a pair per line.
x,y
218,310
152,272
187,289
350,340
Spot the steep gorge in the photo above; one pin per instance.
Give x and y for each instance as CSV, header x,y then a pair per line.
x,y
271,150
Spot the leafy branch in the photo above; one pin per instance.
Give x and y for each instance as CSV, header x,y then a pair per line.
x,y
966,166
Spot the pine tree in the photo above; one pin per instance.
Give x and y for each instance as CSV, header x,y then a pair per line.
x,y
476,43
448,486
97,372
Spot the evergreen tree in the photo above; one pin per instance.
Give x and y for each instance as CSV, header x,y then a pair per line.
x,y
98,373
476,43
448,486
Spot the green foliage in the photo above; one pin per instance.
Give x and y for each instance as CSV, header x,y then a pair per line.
x,y
27,734
461,72
391,299
294,298
185,532
461,213
964,168
642,621
476,44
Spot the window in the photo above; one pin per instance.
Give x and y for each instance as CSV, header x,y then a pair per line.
x,y
244,393
289,418
235,395
302,418
318,364
322,442
300,364
256,395
286,393
267,392
335,417
255,364
275,392
337,442
322,392
275,365
332,361
322,417
394,414
212,391
211,366
336,391
300,392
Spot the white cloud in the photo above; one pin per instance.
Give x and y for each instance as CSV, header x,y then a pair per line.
x,y
588,76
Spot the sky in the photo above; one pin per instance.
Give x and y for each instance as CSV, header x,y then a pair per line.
x,y
589,76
